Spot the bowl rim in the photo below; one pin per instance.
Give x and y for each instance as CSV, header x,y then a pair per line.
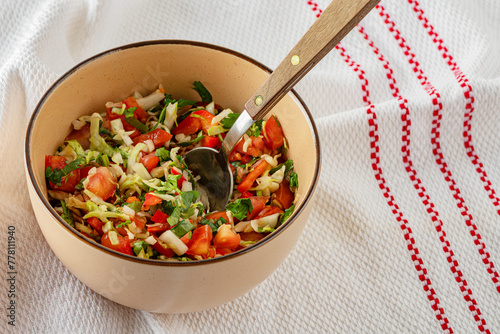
x,y
126,257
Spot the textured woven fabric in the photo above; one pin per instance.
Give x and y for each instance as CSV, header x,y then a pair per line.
x,y
404,236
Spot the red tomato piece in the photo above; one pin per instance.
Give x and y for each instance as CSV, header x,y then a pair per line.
x,y
251,236
210,141
205,118
188,126
226,238
150,161
258,204
168,252
158,136
223,251
258,143
127,127
268,210
159,217
96,224
123,245
139,113
185,238
68,182
102,183
254,152
179,181
273,134
284,196
258,168
246,194
140,222
150,199
200,241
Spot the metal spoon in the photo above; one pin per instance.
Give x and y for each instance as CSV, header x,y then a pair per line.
x,y
334,23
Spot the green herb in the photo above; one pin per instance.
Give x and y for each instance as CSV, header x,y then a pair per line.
x,y
125,223
55,175
102,160
104,131
67,215
143,128
163,154
228,121
294,181
202,91
79,186
183,227
129,112
140,245
240,208
285,215
288,167
189,197
214,226
175,216
255,129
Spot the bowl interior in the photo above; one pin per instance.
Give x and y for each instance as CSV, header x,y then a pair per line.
x,y
114,75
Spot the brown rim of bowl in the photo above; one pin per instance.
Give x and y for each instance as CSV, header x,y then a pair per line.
x,y
92,243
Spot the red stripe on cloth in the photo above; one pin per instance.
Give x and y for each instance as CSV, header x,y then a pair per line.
x,y
386,191
469,147
436,122
407,160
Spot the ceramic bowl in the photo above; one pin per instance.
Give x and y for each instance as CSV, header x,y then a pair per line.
x,y
152,285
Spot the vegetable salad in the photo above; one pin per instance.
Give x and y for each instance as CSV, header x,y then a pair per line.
x,y
119,178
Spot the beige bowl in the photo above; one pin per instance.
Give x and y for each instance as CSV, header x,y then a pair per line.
x,y
151,285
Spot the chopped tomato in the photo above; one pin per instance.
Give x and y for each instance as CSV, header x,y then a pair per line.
x,y
200,241
132,199
140,222
123,245
150,161
158,227
210,141
223,251
96,224
163,250
258,204
139,113
211,253
258,143
234,156
205,118
273,135
82,136
158,136
226,238
102,183
246,194
68,182
185,238
200,119
246,159
218,214
268,210
150,199
284,196
258,168
179,181
159,217
250,150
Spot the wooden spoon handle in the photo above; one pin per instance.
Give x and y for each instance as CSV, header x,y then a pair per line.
x,y
340,17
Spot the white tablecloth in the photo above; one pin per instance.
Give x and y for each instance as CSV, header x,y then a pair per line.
x,y
405,233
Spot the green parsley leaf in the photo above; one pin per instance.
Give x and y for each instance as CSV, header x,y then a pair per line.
x,y
294,181
143,128
288,164
163,154
202,91
140,245
183,227
255,129
240,208
228,121
214,226
129,112
285,215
